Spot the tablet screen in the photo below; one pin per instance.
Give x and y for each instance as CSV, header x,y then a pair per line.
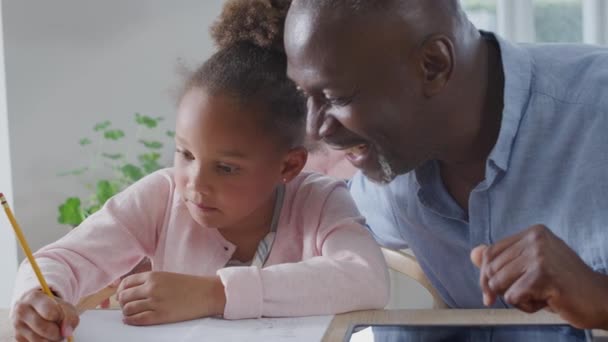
x,y
496,333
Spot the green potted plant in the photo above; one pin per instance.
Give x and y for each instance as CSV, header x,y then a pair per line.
x,y
110,151
125,171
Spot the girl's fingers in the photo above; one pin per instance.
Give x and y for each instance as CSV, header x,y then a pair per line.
x,y
70,320
136,307
142,318
131,294
41,327
132,281
23,332
44,306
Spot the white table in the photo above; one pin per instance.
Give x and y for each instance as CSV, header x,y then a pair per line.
x,y
341,323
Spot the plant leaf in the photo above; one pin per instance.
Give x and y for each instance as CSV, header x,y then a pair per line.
x,y
152,144
105,189
84,141
132,172
114,156
171,134
148,157
70,212
92,209
145,120
149,161
113,134
101,126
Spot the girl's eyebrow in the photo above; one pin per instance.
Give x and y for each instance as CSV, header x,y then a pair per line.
x,y
225,153
233,154
180,140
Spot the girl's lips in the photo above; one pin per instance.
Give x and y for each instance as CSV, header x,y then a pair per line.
x,y
204,207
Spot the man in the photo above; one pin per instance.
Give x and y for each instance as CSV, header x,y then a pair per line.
x,y
470,147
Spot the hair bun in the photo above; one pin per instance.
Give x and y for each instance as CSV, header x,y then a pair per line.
x,y
259,22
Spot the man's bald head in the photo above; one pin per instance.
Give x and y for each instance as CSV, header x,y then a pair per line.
x,y
439,7
375,4
379,76
417,19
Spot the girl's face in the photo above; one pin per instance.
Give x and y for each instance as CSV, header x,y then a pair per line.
x,y
227,166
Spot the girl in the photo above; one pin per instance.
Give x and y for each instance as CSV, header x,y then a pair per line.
x,y
233,229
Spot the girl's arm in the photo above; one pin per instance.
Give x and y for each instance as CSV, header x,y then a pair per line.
x,y
106,245
348,274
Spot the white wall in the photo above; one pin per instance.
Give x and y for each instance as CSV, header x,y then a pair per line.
x,y
8,247
71,64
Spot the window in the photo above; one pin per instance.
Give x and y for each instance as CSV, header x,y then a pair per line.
x,y
482,13
572,21
558,21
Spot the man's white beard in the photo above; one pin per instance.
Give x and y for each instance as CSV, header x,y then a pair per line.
x,y
387,171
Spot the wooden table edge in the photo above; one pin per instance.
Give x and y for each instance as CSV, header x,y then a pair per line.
x,y
339,325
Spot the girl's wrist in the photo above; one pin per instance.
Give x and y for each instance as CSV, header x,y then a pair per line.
x,y
218,295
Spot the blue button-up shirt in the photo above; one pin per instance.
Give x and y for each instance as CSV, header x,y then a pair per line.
x,y
549,166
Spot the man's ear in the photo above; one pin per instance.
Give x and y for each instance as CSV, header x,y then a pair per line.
x,y
293,163
436,63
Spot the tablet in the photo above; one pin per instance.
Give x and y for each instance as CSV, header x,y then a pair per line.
x,y
466,333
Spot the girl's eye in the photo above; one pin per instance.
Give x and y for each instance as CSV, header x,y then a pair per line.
x,y
226,169
185,154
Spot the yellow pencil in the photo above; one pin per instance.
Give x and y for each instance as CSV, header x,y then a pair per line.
x,y
26,248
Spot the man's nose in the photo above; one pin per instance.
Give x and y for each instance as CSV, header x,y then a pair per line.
x,y
314,118
318,123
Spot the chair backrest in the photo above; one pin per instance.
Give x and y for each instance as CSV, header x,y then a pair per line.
x,y
407,264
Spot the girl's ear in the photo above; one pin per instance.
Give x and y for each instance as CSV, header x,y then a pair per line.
x,y
293,163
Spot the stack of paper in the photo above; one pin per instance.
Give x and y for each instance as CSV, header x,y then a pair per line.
x,y
106,325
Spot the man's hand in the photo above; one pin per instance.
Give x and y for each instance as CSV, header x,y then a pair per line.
x,y
161,297
535,269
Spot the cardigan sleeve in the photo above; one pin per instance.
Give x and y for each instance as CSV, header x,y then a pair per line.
x,y
346,273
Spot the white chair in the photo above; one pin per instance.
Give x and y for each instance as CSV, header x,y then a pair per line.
x,y
407,264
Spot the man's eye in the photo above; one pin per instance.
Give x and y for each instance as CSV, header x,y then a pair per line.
x,y
302,92
338,101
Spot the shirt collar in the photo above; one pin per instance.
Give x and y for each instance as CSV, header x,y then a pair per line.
x,y
517,70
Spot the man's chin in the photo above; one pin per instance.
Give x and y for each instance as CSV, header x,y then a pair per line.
x,y
378,174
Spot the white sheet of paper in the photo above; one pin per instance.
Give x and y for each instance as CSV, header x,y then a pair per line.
x,y
106,325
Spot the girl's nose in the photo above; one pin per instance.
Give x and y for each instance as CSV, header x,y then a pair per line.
x,y
198,181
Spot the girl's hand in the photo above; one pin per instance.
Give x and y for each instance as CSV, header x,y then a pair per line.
x,y
37,317
161,297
